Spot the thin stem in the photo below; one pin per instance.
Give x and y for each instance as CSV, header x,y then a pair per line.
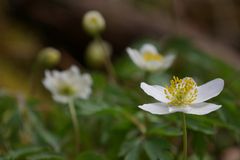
x,y
24,113
108,63
184,137
75,123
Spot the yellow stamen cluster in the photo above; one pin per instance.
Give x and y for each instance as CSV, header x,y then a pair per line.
x,y
181,91
149,56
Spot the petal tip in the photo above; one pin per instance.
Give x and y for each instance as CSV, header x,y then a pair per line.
x,y
128,49
220,83
219,80
218,106
204,108
143,85
143,108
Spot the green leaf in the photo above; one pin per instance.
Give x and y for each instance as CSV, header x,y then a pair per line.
x,y
158,149
99,80
126,69
43,133
45,156
24,152
134,154
6,102
159,78
92,106
165,131
89,155
199,144
194,123
131,149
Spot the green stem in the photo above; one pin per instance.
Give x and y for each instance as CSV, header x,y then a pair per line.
x,y
24,113
108,63
75,123
184,137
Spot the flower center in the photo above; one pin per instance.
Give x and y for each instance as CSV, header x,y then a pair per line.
x,y
66,90
94,20
181,92
149,56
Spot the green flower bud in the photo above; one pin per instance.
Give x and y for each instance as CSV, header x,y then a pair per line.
x,y
93,22
49,56
97,53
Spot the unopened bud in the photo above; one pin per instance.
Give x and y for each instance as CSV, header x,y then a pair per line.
x,y
94,22
49,56
97,53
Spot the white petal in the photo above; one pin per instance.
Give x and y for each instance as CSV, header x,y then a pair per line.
x,y
74,69
153,65
155,91
209,90
55,74
148,48
84,94
49,81
165,63
136,57
168,60
86,79
71,73
202,108
69,78
184,109
61,99
84,87
156,108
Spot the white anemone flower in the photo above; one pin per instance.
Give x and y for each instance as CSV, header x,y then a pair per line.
x,y
68,85
183,95
148,58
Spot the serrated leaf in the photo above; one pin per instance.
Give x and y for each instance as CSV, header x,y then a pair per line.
x,y
131,149
156,150
133,154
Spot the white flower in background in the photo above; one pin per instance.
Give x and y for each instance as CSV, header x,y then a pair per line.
x,y
68,84
94,22
183,95
148,58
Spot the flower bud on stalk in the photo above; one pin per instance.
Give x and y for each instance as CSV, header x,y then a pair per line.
x,y
93,22
49,56
97,53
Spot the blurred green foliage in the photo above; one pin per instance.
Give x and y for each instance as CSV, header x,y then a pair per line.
x,y
111,124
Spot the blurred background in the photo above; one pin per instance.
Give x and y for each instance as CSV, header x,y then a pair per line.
x,y
27,26
207,30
